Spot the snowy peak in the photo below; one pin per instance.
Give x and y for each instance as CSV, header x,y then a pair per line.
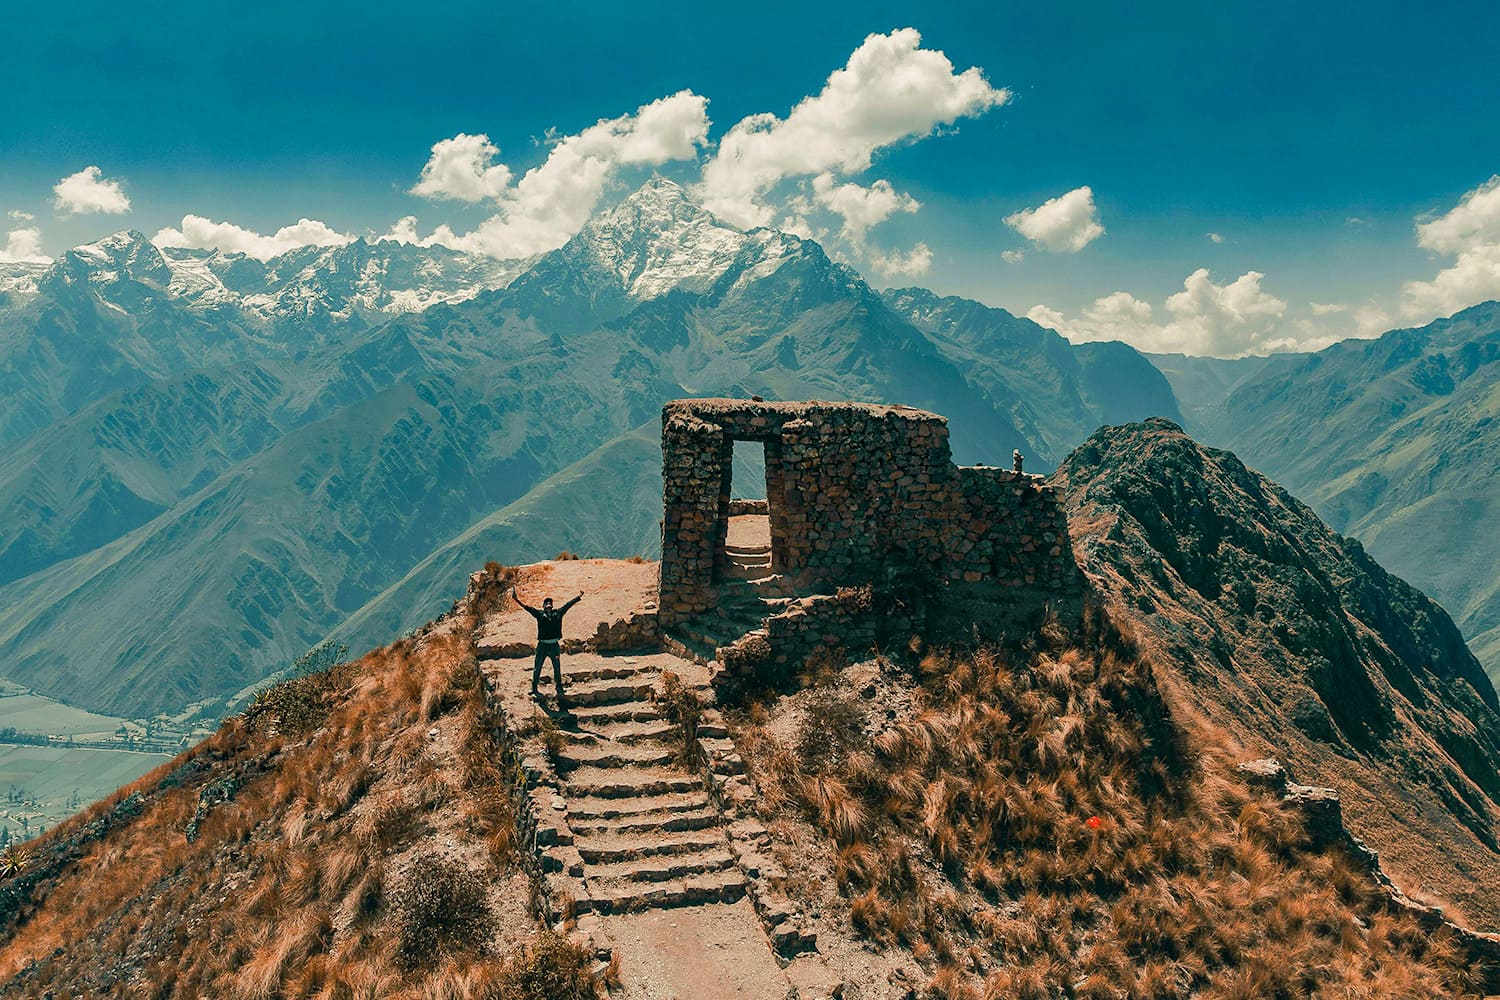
x,y
126,256
658,240
358,279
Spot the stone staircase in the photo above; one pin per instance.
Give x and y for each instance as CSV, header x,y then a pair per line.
x,y
744,605
636,829
619,824
747,560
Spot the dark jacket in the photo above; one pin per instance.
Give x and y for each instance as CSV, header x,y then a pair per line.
x,y
549,623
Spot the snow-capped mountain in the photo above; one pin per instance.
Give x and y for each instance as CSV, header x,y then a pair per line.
x,y
204,452
363,280
657,240
654,242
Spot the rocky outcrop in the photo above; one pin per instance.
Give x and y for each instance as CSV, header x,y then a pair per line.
x,y
1291,640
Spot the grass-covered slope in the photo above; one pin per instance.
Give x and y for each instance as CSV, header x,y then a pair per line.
x,y
350,835
1034,824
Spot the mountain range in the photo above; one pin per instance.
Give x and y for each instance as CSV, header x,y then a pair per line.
x,y
1395,441
212,462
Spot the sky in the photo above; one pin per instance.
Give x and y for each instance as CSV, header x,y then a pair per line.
x,y
1207,178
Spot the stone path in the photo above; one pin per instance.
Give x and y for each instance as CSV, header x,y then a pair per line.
x,y
635,828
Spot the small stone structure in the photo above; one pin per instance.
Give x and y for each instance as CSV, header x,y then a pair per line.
x,y
856,494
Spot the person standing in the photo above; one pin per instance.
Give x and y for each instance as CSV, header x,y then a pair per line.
x,y
548,640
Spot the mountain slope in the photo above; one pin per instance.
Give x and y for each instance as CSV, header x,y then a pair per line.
x,y
1293,641
1405,456
241,502
1055,392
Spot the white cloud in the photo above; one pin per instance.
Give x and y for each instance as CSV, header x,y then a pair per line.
x,y
1470,231
1012,256
1371,321
88,191
404,230
1204,318
23,245
1215,238
897,264
552,201
200,233
20,216
463,168
891,90
1065,224
859,207
1327,308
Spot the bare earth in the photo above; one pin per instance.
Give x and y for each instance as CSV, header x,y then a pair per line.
x,y
715,951
611,588
746,530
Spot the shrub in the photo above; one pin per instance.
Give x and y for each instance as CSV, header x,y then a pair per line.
x,y
487,594
564,556
681,707
550,967
440,909
832,727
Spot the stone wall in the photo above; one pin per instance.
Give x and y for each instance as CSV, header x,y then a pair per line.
x,y
856,494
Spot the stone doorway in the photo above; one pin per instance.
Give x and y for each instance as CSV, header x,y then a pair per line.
x,y
745,549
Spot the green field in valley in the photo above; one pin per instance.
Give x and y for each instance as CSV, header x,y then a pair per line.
x,y
40,786
33,713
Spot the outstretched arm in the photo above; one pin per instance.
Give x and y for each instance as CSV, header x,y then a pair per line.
x,y
522,603
574,601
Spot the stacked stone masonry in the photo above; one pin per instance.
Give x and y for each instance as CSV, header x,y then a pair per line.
x,y
856,494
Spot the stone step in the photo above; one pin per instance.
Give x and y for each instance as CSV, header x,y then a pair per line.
x,y
655,821
692,635
663,868
616,755
589,809
628,732
747,548
590,670
614,783
688,649
641,710
615,848
608,692
622,897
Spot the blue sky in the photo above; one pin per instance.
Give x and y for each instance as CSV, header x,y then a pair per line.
x,y
1311,142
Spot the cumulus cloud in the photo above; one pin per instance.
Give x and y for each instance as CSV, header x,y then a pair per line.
x,y
89,191
903,264
23,245
1012,256
20,216
891,90
196,232
1205,318
1065,224
1327,308
1470,232
463,168
552,201
860,207
1215,238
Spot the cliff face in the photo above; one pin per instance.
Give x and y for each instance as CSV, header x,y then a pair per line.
x,y
1295,643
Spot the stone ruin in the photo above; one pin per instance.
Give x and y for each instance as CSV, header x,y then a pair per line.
x,y
856,494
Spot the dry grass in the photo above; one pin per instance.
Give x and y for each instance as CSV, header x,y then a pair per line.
x,y
1040,828
293,886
